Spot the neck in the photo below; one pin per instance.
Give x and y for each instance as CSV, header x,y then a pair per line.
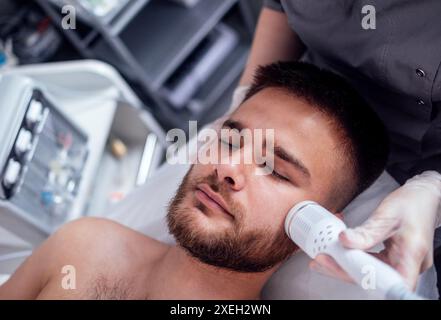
x,y
181,276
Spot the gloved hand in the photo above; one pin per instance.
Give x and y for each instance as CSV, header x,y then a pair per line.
x,y
405,221
195,144
238,96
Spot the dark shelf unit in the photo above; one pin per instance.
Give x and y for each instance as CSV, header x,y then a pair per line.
x,y
160,47
148,40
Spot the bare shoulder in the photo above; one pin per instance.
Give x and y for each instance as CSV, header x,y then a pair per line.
x,y
97,240
103,253
95,253
104,231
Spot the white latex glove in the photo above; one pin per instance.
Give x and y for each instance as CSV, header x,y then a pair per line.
x,y
194,144
405,221
238,96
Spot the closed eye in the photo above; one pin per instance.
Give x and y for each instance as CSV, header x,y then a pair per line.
x,y
228,143
275,174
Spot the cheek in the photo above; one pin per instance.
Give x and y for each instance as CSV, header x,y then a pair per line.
x,y
269,203
199,170
195,173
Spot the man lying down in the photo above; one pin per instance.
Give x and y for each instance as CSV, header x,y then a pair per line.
x,y
227,220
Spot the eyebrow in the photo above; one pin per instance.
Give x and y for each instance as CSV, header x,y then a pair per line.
x,y
279,151
233,124
291,159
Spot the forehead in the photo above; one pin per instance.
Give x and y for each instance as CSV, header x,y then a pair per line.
x,y
299,127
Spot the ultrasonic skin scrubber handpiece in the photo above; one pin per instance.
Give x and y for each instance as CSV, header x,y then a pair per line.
x,y
315,230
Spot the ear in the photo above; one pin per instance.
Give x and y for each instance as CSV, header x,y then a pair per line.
x,y
339,215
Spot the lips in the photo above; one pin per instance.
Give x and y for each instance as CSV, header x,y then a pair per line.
x,y
215,197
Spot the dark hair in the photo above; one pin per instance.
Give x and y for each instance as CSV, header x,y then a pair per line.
x,y
364,138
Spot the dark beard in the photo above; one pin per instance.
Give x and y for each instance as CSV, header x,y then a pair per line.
x,y
234,249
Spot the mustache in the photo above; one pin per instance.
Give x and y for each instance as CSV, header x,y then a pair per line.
x,y
222,188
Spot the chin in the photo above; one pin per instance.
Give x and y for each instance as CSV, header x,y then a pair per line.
x,y
208,223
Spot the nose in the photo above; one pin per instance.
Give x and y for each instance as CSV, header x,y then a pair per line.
x,y
234,174
231,174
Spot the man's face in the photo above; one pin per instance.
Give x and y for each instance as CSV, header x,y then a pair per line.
x,y
226,215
